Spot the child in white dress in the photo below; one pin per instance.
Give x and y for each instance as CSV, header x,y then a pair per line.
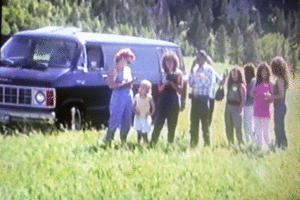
x,y
144,109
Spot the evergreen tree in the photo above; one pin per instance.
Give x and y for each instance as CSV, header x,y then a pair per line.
x,y
210,44
201,37
243,21
256,19
5,29
207,14
251,50
295,44
223,17
193,27
221,46
280,22
237,47
289,24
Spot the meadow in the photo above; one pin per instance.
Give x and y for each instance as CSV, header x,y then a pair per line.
x,y
72,165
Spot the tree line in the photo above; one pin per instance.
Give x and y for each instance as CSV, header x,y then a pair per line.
x,y
226,30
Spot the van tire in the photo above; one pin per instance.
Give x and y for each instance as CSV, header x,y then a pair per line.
x,y
75,118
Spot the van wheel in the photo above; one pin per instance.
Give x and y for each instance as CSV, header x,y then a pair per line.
x,y
75,118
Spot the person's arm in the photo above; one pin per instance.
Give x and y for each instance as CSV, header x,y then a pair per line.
x,y
112,74
191,78
252,90
161,87
179,85
152,106
219,80
280,95
194,64
111,79
136,111
243,96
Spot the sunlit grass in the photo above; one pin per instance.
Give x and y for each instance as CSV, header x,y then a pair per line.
x,y
72,165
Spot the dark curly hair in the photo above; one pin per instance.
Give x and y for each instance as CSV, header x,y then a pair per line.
x,y
249,72
124,53
280,69
259,78
170,55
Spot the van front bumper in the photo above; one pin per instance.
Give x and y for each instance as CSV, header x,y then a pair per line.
x,y
27,115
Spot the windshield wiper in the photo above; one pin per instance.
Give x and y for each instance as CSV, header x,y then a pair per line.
x,y
6,62
32,64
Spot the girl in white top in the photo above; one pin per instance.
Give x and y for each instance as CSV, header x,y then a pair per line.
x,y
144,108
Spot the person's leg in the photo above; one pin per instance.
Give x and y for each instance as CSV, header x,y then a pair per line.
x,y
211,110
248,129
145,138
116,111
229,125
126,119
279,129
194,123
172,119
265,129
204,117
258,131
237,117
158,125
139,136
251,123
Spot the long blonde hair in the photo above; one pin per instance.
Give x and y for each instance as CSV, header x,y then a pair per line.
x,y
147,84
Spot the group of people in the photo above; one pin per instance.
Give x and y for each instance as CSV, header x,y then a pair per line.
x,y
248,99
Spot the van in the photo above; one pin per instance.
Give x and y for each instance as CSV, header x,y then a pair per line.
x,y
59,74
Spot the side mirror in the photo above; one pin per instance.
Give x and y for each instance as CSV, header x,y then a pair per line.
x,y
82,68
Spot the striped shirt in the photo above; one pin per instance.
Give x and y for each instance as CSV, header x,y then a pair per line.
x,y
201,81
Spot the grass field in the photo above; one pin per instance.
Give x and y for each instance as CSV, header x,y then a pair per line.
x,y
71,165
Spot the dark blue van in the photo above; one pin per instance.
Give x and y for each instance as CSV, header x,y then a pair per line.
x,y
59,74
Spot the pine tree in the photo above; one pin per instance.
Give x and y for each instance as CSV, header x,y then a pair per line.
x,y
207,14
223,17
280,22
289,23
193,27
243,21
237,47
295,44
5,29
201,36
210,44
221,46
257,20
251,50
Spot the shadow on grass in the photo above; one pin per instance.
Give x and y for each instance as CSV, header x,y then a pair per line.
x,y
254,152
180,145
15,129
18,128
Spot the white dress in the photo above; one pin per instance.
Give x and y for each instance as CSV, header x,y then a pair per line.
x,y
142,123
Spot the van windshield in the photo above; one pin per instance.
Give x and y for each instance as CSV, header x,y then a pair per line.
x,y
51,51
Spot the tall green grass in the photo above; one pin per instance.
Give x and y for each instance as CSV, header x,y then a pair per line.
x,y
71,165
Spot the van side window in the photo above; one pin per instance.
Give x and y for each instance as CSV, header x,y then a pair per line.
x,y
94,57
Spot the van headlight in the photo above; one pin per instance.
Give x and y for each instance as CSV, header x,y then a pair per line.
x,y
44,97
39,97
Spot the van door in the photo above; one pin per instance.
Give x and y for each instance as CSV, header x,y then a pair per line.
x,y
97,83
87,85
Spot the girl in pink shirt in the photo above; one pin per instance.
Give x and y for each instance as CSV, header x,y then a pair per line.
x,y
262,100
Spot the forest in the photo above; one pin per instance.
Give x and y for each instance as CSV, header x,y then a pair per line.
x,y
231,31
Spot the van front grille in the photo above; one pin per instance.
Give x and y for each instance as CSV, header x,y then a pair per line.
x,y
15,95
